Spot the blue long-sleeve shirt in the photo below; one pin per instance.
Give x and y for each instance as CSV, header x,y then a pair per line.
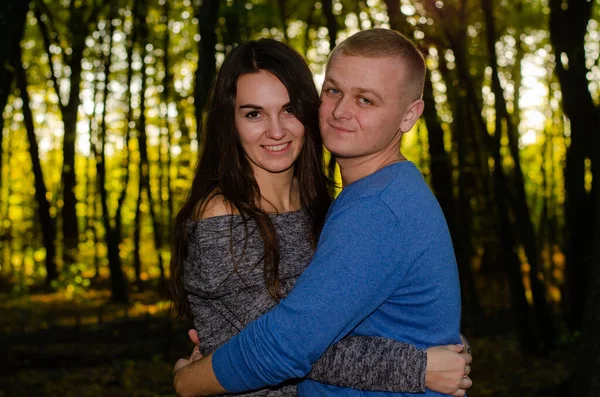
x,y
384,266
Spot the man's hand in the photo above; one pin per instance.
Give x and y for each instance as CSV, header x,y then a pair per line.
x,y
448,369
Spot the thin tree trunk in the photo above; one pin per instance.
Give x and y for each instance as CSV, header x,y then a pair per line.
x,y
207,15
283,17
143,147
127,160
502,195
13,15
167,83
47,223
543,311
118,281
587,381
331,22
309,23
568,24
332,29
8,232
441,173
441,181
79,30
92,179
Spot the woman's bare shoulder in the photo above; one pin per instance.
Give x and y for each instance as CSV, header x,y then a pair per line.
x,y
214,205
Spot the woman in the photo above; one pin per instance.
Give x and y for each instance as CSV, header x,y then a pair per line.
x,y
252,220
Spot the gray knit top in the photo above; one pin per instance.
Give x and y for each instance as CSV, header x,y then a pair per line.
x,y
223,277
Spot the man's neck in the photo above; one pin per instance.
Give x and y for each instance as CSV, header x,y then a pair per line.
x,y
353,169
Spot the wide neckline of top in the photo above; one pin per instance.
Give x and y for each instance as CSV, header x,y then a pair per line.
x,y
229,216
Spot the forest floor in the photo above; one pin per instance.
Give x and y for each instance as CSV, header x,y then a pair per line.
x,y
52,345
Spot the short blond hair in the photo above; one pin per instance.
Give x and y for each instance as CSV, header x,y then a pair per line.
x,y
380,43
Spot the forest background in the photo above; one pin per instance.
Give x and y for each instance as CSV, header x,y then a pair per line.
x,y
99,105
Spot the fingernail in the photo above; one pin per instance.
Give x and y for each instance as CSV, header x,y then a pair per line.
x,y
460,345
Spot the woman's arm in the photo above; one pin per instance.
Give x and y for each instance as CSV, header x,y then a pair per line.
x,y
382,364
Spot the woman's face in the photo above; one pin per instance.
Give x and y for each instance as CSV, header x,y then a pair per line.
x,y
270,133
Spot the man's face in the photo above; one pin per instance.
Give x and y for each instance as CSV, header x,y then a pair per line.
x,y
362,110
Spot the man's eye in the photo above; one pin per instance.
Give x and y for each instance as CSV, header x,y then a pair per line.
x,y
364,101
332,91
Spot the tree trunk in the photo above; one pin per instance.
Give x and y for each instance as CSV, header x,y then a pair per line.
x,y
118,282
70,113
567,33
143,147
587,381
13,15
207,15
442,184
332,29
283,16
126,162
331,22
441,173
137,233
543,311
47,223
502,194
92,195
167,84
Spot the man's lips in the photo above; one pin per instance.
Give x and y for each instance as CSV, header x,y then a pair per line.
x,y
338,128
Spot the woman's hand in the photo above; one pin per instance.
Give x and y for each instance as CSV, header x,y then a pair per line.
x,y
196,355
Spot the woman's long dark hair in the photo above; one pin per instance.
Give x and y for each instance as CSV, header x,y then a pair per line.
x,y
223,168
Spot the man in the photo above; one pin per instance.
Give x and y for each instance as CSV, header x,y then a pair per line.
x,y
385,264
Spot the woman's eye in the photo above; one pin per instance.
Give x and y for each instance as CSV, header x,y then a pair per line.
x,y
288,110
253,115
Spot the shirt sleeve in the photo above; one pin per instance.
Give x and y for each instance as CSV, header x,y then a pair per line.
x,y
355,269
372,363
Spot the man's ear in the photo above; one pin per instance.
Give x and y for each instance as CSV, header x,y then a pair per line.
x,y
412,114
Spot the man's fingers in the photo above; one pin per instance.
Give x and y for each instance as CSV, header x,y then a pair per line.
x,y
193,334
459,393
182,362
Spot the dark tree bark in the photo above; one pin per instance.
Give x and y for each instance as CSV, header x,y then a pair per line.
x,y
144,165
331,22
91,196
82,20
502,194
207,15
525,229
127,160
441,172
309,23
13,15
118,281
568,23
587,381
332,29
47,223
167,85
442,184
284,16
